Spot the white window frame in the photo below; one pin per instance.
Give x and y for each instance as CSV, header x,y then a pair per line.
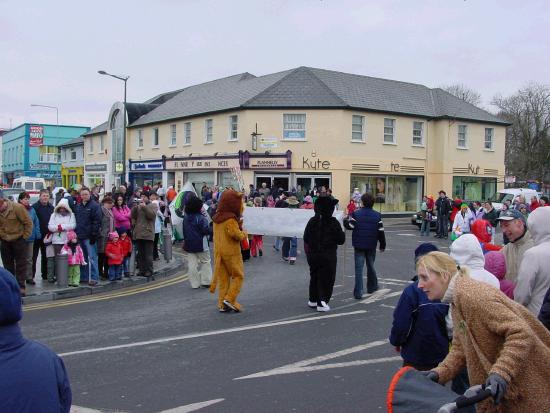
x,y
393,127
72,152
101,144
187,133
155,136
91,145
233,128
173,135
492,141
421,133
208,131
362,124
459,133
140,139
287,121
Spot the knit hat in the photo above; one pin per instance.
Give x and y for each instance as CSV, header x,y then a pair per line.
x,y
495,263
424,249
308,200
71,235
463,205
113,235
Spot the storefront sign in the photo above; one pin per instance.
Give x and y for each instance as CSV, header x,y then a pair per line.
x,y
314,164
267,163
146,166
202,163
268,142
36,136
473,169
96,168
39,166
119,167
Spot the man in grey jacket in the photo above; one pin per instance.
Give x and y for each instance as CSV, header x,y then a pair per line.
x,y
534,273
513,225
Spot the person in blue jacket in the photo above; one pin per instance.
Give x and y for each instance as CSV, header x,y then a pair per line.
x,y
32,377
419,324
24,199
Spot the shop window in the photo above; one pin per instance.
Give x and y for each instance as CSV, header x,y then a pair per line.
x,y
471,188
140,138
209,131
155,137
233,127
187,128
294,126
489,139
389,130
173,137
49,154
418,133
391,193
462,136
357,128
90,145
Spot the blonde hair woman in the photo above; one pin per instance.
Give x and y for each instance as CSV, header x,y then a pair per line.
x,y
499,341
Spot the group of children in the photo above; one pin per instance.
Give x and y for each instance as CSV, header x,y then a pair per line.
x,y
117,250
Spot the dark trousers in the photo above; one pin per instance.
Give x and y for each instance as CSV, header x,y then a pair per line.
x,y
322,273
14,257
442,225
40,247
145,257
102,265
363,257
156,247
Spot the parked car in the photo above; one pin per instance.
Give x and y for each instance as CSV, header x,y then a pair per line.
x,y
416,219
510,194
13,193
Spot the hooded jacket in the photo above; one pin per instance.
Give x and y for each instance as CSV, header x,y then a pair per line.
x,y
482,230
32,377
323,232
59,224
534,273
461,224
466,251
514,251
15,222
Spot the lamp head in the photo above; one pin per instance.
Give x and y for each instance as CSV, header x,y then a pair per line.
x,y
102,72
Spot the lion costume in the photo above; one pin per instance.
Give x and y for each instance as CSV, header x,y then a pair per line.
x,y
228,261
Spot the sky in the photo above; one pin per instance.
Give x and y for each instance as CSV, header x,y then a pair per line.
x,y
50,51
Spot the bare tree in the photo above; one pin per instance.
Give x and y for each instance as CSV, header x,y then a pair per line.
x,y
528,139
463,92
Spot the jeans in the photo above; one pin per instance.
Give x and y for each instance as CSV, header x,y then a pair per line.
x,y
278,242
125,265
290,248
362,257
115,272
90,271
39,247
443,225
425,227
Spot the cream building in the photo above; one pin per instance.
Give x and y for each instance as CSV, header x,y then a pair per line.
x,y
309,127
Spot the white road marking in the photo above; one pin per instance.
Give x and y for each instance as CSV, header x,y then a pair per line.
x,y
387,306
307,365
209,333
380,295
78,409
396,280
192,407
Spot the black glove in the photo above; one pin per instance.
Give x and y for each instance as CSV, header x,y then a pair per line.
x,y
432,375
92,240
498,387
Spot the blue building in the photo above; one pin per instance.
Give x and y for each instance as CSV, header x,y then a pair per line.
x,y
33,150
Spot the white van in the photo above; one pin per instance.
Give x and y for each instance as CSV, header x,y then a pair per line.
x,y
511,195
29,184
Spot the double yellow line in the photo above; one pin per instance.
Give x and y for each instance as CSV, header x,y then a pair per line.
x,y
106,296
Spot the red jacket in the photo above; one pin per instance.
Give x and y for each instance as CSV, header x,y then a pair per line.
x,y
126,246
114,253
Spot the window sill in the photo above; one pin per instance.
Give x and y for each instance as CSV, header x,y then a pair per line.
x,y
389,143
294,140
90,153
462,149
186,144
232,140
155,147
488,150
418,146
352,141
173,146
208,143
140,148
101,153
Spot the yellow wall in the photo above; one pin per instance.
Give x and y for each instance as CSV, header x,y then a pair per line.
x,y
328,137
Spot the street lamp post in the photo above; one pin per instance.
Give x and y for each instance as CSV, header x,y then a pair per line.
x,y
125,80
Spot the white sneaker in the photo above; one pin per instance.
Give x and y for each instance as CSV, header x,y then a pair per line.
x,y
323,307
312,304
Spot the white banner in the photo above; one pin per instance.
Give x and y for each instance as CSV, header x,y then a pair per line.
x,y
280,222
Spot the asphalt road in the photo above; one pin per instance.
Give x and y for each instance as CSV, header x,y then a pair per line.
x,y
170,349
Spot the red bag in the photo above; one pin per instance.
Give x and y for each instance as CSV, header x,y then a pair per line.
x,y
245,245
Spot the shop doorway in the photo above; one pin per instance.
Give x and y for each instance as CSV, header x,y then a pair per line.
x,y
309,182
273,181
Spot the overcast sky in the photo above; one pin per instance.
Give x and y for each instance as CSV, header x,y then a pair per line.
x,y
50,51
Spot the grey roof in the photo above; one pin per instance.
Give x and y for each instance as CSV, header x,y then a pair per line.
x,y
306,87
74,142
137,110
98,129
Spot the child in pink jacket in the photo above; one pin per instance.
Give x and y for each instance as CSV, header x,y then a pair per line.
x,y
75,258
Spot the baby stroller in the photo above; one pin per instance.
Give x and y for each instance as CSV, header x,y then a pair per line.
x,y
411,391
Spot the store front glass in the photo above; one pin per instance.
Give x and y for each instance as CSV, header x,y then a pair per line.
x,y
226,179
94,180
199,179
150,179
392,193
275,181
309,182
472,188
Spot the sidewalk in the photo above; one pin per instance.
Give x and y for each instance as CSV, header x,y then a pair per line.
x,y
44,291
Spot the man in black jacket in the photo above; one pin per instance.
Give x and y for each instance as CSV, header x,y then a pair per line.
x,y
88,224
44,211
443,206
